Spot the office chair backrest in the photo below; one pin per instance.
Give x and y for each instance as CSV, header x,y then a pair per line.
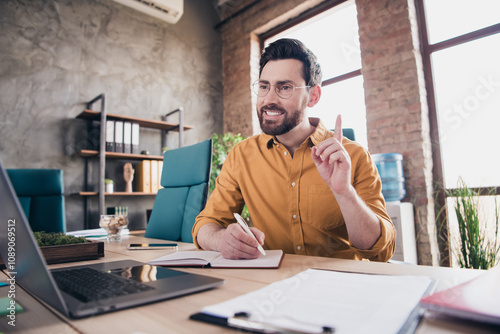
x,y
348,133
185,177
41,194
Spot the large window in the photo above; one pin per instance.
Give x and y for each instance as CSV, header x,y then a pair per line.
x,y
462,48
333,37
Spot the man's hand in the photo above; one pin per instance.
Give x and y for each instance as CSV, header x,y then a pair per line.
x,y
333,161
334,166
233,242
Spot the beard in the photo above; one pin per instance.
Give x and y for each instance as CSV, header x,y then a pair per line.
x,y
274,127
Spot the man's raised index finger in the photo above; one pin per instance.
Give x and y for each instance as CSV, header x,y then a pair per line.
x,y
338,128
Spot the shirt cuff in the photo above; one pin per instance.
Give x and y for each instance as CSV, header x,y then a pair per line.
x,y
383,250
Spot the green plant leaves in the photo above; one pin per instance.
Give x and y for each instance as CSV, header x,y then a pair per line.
x,y
57,238
477,249
221,145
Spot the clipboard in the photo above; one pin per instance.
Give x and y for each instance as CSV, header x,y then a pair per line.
x,y
407,322
242,321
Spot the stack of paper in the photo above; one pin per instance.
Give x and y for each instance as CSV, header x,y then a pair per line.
x,y
344,302
96,233
314,300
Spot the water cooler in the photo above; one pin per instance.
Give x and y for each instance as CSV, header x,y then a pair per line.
x,y
390,168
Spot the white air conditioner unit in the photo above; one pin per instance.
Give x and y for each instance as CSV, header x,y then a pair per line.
x,y
166,10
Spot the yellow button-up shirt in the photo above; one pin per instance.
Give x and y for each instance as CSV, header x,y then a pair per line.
x,y
288,200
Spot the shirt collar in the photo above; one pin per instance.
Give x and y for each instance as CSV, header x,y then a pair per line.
x,y
321,133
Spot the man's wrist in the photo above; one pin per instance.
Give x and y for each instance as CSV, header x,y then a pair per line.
x,y
349,195
209,236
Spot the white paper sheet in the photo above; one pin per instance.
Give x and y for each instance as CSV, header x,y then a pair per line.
x,y
96,233
348,302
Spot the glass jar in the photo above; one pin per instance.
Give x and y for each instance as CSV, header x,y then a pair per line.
x,y
113,225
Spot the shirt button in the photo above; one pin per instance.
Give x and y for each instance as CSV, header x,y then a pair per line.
x,y
286,153
299,247
293,184
294,216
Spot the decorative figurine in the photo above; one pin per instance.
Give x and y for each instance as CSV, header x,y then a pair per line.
x,y
128,176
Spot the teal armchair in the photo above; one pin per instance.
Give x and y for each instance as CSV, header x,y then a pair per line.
x,y
185,178
348,133
41,194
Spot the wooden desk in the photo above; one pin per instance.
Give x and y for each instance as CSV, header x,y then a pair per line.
x,y
172,316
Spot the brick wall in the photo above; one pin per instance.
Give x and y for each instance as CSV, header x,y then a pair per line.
x,y
395,97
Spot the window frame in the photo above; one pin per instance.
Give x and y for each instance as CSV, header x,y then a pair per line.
x,y
323,7
427,50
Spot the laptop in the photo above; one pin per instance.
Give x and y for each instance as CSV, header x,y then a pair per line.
x,y
135,283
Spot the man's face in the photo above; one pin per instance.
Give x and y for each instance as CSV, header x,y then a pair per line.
x,y
277,115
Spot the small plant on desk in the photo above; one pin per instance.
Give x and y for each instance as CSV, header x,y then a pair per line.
x,y
55,238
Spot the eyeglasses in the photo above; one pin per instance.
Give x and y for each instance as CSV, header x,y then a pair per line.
x,y
283,90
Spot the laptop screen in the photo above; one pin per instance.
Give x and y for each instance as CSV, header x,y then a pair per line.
x,y
19,251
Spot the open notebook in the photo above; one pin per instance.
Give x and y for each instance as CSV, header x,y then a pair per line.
x,y
214,259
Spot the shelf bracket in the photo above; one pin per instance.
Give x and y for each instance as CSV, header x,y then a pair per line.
x,y
181,127
102,149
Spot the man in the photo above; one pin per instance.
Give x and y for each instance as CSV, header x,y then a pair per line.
x,y
308,191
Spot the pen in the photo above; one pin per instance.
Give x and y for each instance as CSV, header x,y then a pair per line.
x,y
247,229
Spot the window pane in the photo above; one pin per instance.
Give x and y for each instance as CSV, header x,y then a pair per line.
x,y
345,98
467,83
451,18
333,37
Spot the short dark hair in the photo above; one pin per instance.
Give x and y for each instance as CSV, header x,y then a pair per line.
x,y
287,48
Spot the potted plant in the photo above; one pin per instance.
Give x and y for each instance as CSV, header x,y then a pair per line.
x,y
58,247
109,184
56,238
476,248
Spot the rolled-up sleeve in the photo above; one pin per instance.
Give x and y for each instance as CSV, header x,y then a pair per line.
x,y
224,200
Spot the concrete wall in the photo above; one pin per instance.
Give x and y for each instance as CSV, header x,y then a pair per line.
x,y
395,95
55,55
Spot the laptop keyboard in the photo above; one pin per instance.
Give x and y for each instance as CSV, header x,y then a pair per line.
x,y
87,284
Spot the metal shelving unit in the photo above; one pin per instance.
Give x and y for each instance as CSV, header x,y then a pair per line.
x,y
90,115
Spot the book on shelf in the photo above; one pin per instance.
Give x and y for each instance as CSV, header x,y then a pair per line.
x,y
143,176
160,169
127,137
213,259
135,138
110,136
154,176
119,136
